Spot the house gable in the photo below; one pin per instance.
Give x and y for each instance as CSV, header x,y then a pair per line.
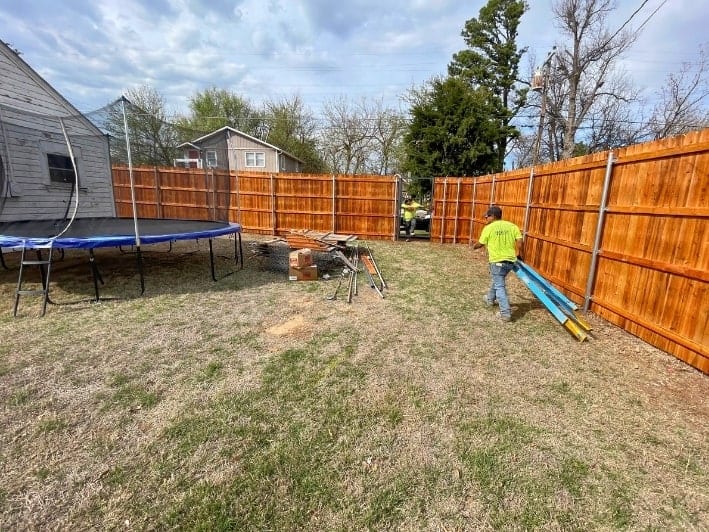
x,y
235,150
24,89
37,171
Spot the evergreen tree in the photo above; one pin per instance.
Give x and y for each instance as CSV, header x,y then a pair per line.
x,y
491,62
451,133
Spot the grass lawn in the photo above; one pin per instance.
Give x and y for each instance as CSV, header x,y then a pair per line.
x,y
255,403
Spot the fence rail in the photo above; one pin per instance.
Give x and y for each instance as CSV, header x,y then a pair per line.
x,y
625,233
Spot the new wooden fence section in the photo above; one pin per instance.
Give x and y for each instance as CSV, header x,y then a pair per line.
x,y
625,233
263,203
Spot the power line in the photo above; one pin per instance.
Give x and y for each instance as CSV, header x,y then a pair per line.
x,y
626,22
652,15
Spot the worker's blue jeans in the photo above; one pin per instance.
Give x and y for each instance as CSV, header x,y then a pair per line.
x,y
498,289
410,226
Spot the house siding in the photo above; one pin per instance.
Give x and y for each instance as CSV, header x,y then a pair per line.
x,y
29,129
220,146
238,146
231,146
288,164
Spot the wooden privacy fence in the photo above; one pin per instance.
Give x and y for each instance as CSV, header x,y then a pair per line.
x,y
625,233
363,205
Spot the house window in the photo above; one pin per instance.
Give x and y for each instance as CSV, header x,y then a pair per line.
x,y
255,159
60,168
211,158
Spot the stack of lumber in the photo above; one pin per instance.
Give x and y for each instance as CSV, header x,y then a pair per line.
x,y
317,241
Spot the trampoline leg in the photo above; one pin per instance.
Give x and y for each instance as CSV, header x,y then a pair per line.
x,y
94,271
42,270
211,260
240,255
140,270
2,260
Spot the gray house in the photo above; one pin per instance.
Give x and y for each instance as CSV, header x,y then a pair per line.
x,y
231,149
37,177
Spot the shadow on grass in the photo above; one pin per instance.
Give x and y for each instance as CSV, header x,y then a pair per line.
x,y
179,269
519,310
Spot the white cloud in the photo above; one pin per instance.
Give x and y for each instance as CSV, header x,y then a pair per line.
x,y
91,51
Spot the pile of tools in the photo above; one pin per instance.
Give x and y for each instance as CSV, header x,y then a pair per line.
x,y
328,250
352,259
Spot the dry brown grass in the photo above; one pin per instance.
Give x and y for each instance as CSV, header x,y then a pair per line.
x,y
255,402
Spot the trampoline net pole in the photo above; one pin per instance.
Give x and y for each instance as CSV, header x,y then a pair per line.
x,y
130,173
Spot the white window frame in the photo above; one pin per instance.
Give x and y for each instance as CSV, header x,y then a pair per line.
x,y
257,159
210,157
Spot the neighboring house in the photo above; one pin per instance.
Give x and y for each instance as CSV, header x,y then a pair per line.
x,y
231,149
36,170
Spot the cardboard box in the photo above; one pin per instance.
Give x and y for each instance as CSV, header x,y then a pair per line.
x,y
300,258
307,273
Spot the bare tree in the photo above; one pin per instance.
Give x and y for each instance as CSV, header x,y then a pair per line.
x,y
683,101
583,67
292,127
388,129
153,137
346,142
361,137
613,121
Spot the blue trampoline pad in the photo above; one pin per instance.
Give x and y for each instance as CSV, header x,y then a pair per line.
x,y
88,233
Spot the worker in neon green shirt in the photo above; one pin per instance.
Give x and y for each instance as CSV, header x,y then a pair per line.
x,y
410,207
503,240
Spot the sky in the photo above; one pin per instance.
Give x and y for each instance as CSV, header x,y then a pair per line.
x,y
93,51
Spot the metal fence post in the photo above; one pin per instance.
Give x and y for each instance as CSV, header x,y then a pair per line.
x,y
443,209
599,232
457,205
273,205
472,211
529,204
334,204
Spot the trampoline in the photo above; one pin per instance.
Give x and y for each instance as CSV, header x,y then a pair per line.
x,y
87,233
91,233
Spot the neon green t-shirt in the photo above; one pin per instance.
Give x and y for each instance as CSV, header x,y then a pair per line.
x,y
410,210
499,237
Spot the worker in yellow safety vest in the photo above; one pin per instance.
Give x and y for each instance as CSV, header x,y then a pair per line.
x,y
410,207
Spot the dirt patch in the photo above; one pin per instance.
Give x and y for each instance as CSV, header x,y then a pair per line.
x,y
297,324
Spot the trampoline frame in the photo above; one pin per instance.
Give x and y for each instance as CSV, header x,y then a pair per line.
x,y
91,233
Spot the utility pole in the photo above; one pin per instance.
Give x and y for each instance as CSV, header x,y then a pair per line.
x,y
540,84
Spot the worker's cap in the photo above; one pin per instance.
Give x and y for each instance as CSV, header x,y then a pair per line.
x,y
494,211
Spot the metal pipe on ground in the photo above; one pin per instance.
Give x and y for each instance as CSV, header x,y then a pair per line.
x,y
373,264
339,282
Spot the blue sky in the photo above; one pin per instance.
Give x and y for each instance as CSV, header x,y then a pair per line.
x,y
93,51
